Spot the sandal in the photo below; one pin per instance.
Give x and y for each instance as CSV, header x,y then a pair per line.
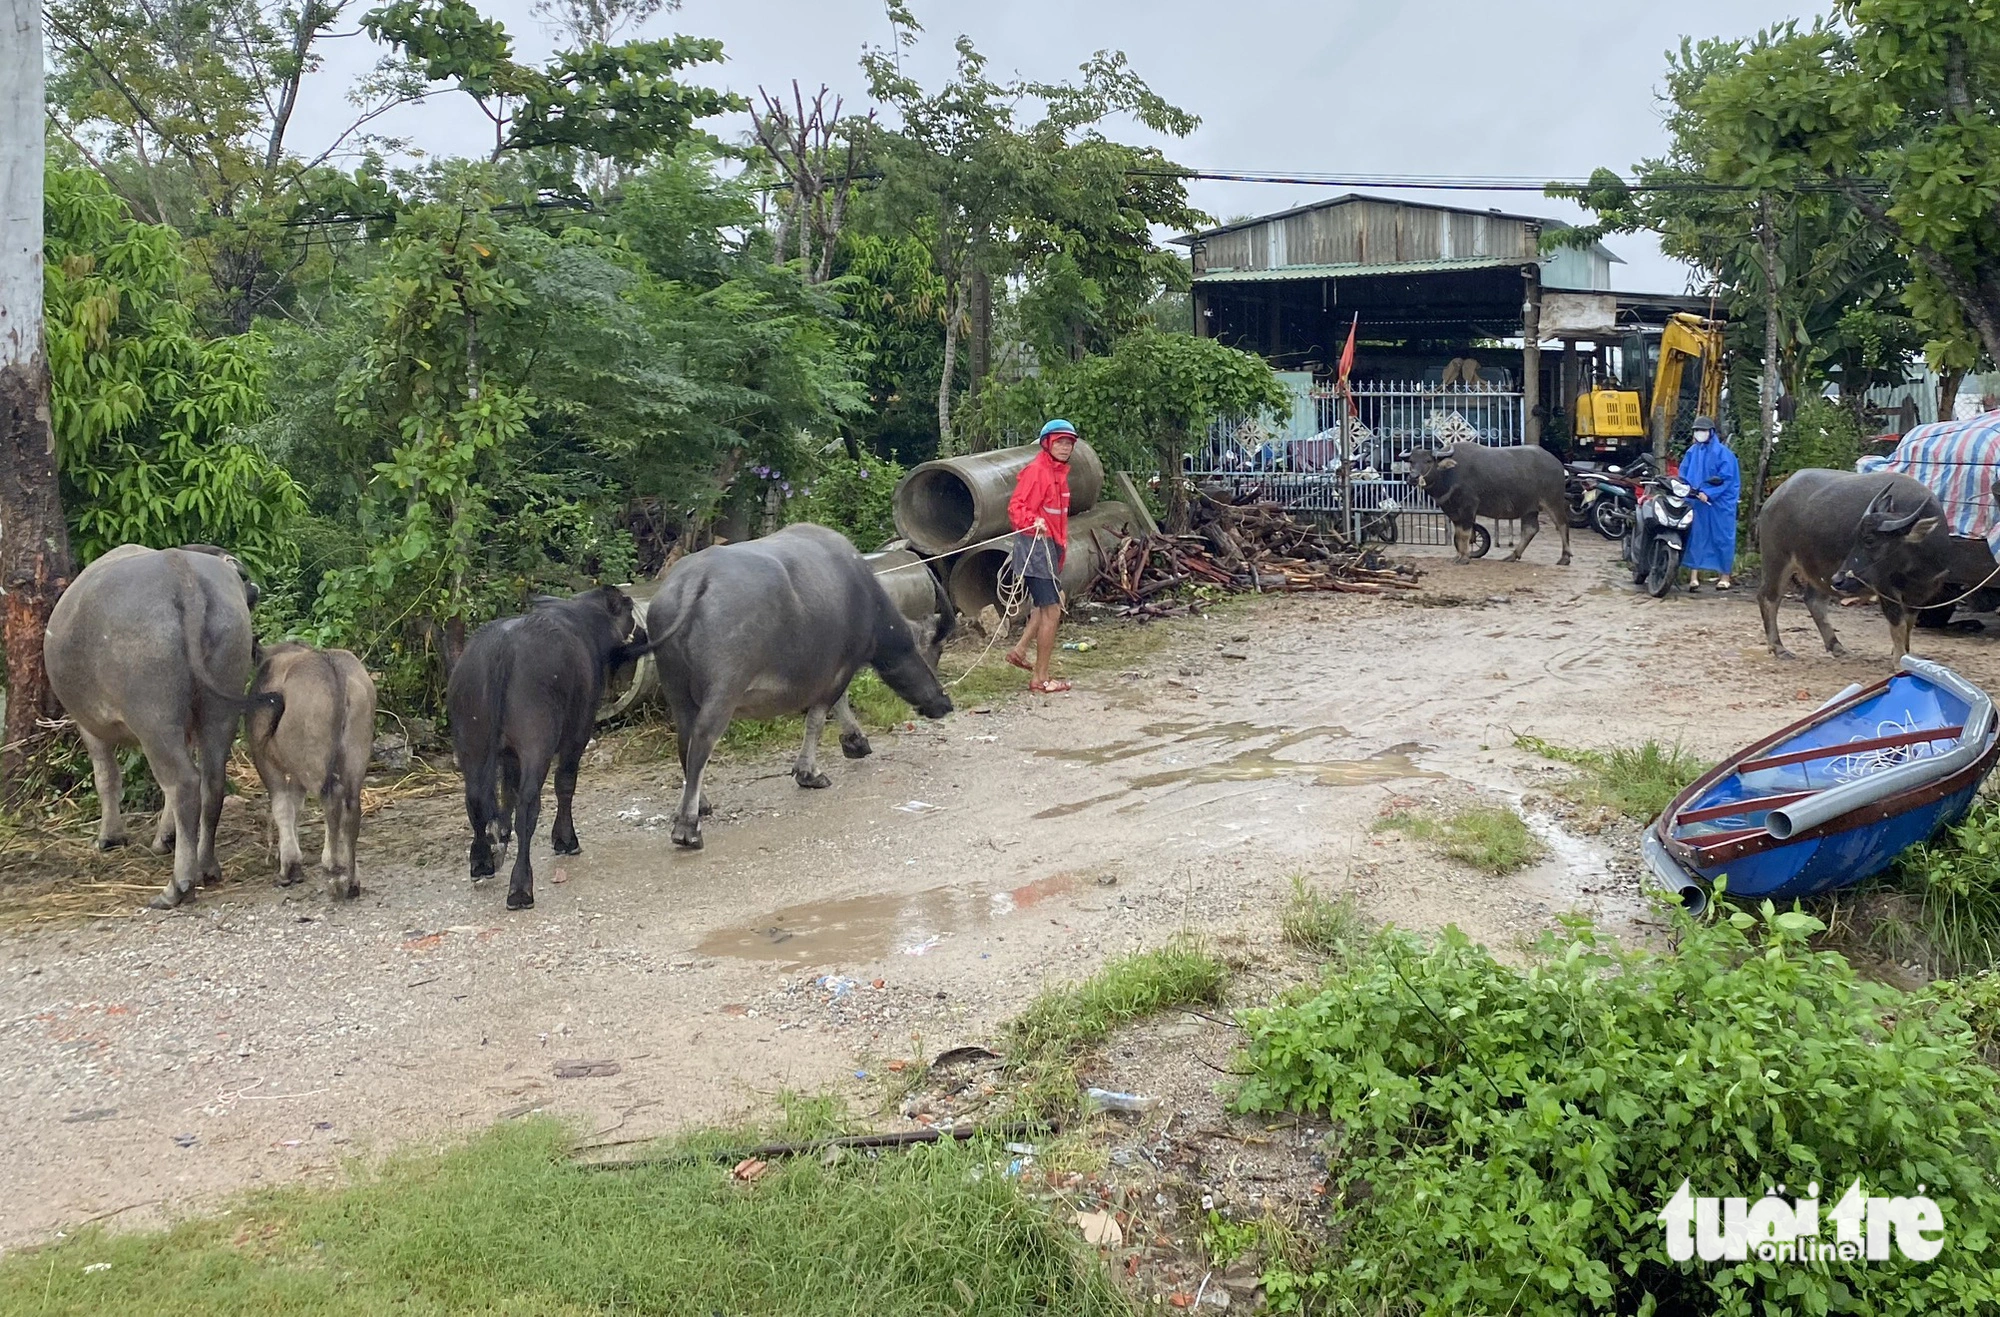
x,y
1721,586
1019,662
1054,687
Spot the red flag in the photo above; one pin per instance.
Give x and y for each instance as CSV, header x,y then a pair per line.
x,y
1347,353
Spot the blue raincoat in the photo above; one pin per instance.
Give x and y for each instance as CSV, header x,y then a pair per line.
x,y
1710,468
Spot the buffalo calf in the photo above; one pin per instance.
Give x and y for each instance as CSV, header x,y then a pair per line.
x,y
318,744
523,699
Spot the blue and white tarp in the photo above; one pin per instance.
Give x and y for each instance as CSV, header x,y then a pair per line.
x,y
1959,461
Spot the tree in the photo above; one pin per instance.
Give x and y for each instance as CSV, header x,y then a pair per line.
x,y
147,409
34,545
799,143
599,102
1896,104
187,109
1142,402
1806,280
962,173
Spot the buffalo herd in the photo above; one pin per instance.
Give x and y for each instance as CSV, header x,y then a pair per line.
x,y
156,647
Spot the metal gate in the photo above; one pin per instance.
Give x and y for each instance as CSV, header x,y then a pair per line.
x,y
1297,461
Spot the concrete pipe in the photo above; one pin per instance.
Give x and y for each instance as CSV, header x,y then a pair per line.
x,y
946,504
907,578
974,581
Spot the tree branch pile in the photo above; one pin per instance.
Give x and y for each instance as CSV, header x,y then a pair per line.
x,y
1240,547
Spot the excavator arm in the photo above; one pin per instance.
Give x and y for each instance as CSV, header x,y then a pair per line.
x,y
1687,338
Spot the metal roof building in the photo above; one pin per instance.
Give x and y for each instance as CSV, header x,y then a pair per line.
x,y
1427,281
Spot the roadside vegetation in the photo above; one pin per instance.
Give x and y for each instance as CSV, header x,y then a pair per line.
x,y
1635,781
1320,927
508,1225
1953,887
1490,838
1505,1138
1049,1040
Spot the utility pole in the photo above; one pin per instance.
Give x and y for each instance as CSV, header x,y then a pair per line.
x,y
34,543
1767,242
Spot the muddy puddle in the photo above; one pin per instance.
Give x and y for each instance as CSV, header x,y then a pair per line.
x,y
863,928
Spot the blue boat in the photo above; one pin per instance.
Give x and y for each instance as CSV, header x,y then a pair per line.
x,y
1835,797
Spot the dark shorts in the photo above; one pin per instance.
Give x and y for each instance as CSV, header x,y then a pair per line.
x,y
1042,592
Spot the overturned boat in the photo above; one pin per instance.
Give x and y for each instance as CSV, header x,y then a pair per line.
x,y
1833,798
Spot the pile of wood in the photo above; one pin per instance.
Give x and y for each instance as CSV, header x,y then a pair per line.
x,y
1250,546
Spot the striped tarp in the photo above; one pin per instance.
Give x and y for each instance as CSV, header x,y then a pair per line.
x,y
1959,460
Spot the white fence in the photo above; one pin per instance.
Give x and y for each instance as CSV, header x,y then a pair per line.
x,y
1299,462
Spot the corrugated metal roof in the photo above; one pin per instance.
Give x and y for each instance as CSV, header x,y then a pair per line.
x,y
1292,273
1347,198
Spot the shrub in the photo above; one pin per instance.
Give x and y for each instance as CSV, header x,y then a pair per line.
x,y
1504,1139
1821,434
856,498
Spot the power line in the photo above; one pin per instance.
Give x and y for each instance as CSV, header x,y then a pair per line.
x,y
1490,183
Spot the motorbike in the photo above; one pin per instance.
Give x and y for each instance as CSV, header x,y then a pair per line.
x,y
1658,534
1607,498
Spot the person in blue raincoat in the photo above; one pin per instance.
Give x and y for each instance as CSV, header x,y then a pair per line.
x,y
1710,469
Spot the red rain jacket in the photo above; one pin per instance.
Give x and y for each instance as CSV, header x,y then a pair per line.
x,y
1042,491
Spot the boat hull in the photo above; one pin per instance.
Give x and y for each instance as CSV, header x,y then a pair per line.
x,y
1689,855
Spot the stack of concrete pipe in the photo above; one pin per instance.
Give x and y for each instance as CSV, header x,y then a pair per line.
x,y
974,580
949,505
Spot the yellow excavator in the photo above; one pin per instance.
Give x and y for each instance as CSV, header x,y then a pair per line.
x,y
1610,418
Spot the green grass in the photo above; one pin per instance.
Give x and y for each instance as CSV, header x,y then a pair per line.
x,y
1956,883
1317,926
507,1227
1636,781
1488,837
1056,1032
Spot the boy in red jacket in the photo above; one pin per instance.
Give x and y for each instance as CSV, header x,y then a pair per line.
x,y
1039,511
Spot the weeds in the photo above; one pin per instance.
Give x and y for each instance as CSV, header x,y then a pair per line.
x,y
1955,882
1490,838
508,1225
1317,926
1496,1130
1636,781
1050,1037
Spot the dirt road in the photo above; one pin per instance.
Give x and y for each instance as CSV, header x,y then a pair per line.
x,y
152,1064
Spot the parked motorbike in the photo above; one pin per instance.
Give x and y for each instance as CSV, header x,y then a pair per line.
x,y
1658,535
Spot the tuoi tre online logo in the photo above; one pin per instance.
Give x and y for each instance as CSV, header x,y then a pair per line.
x,y
1773,1230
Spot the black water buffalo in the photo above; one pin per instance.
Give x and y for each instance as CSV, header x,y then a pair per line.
x,y
1842,533
522,698
318,745
776,626
1470,481
154,646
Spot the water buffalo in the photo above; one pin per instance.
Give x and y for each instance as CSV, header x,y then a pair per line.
x,y
154,646
775,626
1469,481
318,743
522,698
1843,533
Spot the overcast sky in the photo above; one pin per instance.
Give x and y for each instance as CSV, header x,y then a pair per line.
x,y
1536,88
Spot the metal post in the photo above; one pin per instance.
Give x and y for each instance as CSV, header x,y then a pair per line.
x,y
1531,354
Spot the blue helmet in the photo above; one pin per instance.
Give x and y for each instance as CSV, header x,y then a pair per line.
x,y
1054,428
